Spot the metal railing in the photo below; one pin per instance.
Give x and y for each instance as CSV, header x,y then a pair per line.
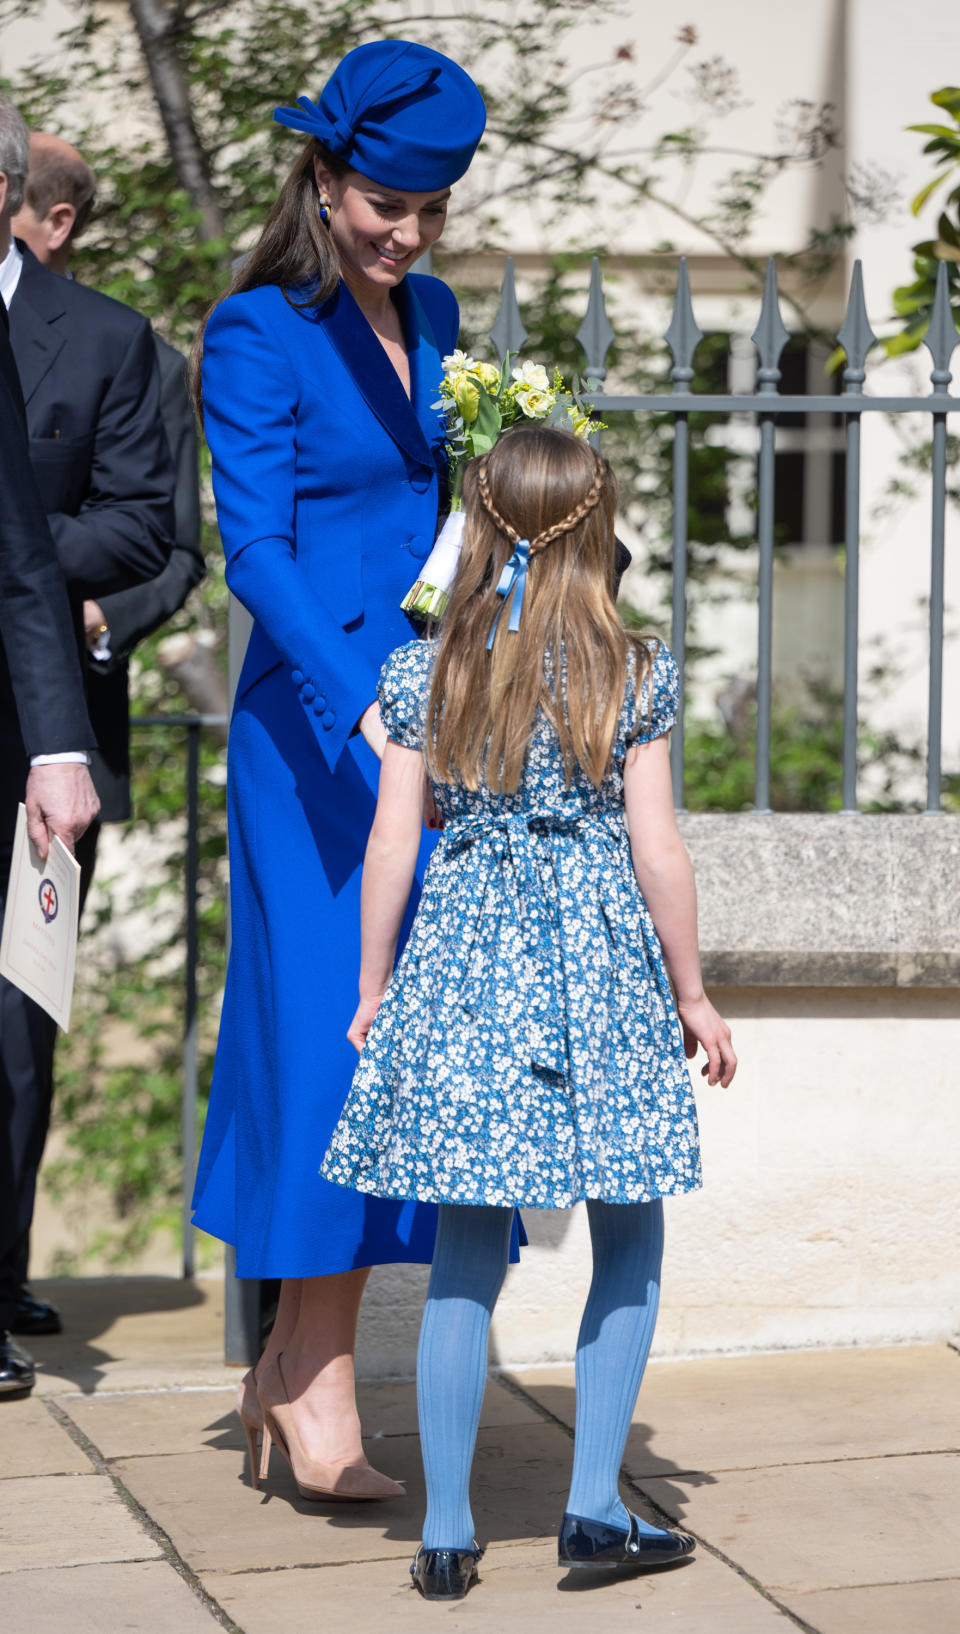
x,y
596,336
194,725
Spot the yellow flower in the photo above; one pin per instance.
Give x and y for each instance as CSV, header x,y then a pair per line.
x,y
466,396
536,404
580,423
531,376
487,373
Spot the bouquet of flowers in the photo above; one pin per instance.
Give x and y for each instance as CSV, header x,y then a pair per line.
x,y
481,401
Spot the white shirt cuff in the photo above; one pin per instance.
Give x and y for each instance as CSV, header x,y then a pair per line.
x,y
68,757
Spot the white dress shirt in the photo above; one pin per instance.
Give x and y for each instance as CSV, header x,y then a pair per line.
x,y
10,273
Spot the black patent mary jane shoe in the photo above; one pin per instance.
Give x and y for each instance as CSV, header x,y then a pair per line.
x,y
583,1542
445,1574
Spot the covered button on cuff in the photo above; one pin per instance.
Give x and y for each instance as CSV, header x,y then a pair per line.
x,y
296,677
329,719
308,692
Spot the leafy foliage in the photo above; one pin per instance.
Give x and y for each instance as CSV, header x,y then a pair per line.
x,y
913,303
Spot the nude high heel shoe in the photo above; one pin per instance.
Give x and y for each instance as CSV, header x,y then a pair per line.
x,y
347,1482
251,1417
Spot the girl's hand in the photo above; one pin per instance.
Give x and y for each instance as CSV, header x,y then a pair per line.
x,y
432,816
363,1021
702,1025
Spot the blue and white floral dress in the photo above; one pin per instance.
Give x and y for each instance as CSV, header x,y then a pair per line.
x,y
527,1051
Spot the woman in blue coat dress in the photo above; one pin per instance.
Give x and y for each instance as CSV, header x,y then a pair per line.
x,y
320,376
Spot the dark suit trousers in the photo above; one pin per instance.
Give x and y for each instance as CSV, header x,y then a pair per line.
x,y
27,1042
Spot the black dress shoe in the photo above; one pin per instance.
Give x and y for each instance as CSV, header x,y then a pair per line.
x,y
34,1315
445,1574
17,1376
584,1542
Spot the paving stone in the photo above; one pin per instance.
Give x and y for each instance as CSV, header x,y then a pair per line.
x,y
132,1333
67,1520
521,1588
824,1526
218,1523
140,1423
35,1444
139,1597
743,1412
886,1608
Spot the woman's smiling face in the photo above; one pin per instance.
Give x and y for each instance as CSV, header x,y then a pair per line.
x,y
377,232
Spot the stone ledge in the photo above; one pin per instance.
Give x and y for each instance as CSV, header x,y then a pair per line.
x,y
823,900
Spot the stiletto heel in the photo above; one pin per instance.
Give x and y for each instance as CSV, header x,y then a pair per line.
x,y
265,1451
251,1417
346,1482
252,1452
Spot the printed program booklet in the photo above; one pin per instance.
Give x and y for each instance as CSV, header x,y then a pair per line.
x,y
38,949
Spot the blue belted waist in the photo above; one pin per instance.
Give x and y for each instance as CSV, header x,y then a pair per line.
x,y
529,897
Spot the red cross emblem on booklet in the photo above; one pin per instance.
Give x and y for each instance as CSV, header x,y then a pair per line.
x,y
49,901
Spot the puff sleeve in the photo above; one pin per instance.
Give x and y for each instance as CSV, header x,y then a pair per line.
x,y
659,700
402,694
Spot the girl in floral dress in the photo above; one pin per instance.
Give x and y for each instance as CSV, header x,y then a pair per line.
x,y
528,1050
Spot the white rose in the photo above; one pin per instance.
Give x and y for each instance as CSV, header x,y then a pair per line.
x,y
531,376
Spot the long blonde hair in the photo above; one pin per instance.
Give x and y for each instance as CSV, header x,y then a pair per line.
x,y
543,485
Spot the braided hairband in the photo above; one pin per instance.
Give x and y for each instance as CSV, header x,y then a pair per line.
x,y
514,575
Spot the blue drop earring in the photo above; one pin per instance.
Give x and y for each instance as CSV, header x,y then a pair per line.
x,y
324,202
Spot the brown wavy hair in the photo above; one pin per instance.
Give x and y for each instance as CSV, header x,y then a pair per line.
x,y
550,487
294,250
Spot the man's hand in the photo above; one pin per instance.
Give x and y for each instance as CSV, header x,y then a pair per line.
x,y
94,622
60,799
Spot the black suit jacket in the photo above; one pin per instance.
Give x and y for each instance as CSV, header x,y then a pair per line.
x,y
133,614
42,709
92,392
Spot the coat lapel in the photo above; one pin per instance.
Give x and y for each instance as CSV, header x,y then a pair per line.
x,y
374,375
34,311
426,371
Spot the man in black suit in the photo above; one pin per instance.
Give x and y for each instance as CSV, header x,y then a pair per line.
x,y
43,715
58,198
90,382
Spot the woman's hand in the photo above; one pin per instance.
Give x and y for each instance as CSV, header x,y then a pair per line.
x,y
702,1025
363,1021
373,730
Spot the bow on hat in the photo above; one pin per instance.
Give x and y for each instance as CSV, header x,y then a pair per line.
x,y
337,133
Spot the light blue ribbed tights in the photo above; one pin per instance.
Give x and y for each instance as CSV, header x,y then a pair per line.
x,y
469,1265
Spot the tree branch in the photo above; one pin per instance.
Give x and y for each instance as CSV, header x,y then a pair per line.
x,y
172,96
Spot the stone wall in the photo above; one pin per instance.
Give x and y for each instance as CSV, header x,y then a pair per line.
x,y
829,1213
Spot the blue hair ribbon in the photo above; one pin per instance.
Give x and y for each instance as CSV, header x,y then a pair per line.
x,y
513,577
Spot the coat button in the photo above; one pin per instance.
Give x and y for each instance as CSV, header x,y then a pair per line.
x,y
319,707
418,548
421,479
321,700
296,677
329,719
308,692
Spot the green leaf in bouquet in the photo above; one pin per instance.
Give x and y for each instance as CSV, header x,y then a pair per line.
x,y
487,425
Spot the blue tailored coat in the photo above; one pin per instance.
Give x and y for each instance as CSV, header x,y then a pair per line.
x,y
326,480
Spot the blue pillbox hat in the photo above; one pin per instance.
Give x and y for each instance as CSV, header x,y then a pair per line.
x,y
402,114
